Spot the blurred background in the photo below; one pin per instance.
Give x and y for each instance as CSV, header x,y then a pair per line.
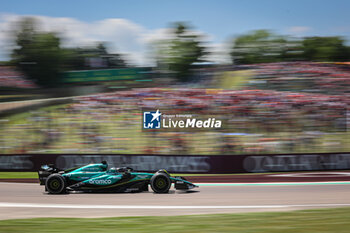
x,y
76,80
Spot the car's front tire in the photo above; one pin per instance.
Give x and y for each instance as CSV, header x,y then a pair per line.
x,y
56,184
160,183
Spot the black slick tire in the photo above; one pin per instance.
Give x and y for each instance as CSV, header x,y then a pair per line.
x,y
160,183
56,184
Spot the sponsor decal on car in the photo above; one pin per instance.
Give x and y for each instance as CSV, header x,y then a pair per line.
x,y
103,182
131,189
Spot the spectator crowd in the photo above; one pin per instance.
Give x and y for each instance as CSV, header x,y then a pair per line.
x,y
268,119
10,77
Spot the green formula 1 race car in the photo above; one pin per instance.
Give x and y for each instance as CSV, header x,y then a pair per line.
x,y
98,178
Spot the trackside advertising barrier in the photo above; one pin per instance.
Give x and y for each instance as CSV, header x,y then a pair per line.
x,y
184,163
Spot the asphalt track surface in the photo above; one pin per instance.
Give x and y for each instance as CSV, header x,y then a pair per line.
x,y
28,200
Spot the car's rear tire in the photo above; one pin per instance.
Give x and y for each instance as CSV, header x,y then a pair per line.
x,y
56,184
160,183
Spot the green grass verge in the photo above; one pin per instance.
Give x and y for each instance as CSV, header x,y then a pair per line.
x,y
320,220
18,175
16,96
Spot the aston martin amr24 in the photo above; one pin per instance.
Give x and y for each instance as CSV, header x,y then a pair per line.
x,y
98,178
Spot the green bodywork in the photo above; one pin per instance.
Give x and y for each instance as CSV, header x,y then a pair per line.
x,y
98,176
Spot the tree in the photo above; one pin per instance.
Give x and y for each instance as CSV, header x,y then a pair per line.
x,y
259,46
38,54
180,52
325,49
78,58
263,46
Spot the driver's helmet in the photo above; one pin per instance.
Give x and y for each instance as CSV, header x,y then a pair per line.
x,y
104,165
113,170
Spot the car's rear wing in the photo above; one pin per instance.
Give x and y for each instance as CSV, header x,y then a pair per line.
x,y
47,170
